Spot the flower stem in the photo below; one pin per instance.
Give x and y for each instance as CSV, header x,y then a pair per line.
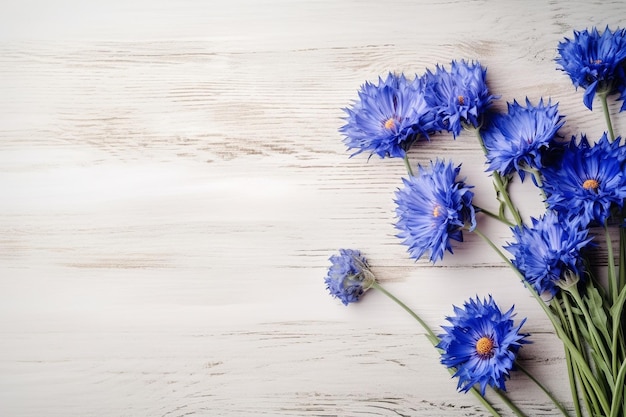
x,y
432,337
613,278
597,340
407,163
572,372
499,184
617,395
509,403
621,277
493,215
538,180
607,116
430,334
543,388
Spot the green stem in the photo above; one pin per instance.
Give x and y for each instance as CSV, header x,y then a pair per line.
x,y
538,180
497,179
578,360
619,389
614,294
432,337
499,184
543,388
407,163
613,279
572,372
537,175
430,334
618,324
598,341
617,341
591,399
493,215
607,116
621,277
506,400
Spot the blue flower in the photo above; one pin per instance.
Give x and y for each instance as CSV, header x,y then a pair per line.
x,y
432,208
388,117
548,251
459,96
594,61
588,182
349,276
516,141
481,344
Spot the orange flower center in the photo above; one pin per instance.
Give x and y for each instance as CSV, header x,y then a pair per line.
x,y
591,185
484,346
436,210
390,123
461,100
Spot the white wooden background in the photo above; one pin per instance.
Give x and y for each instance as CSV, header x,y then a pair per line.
x,y
172,183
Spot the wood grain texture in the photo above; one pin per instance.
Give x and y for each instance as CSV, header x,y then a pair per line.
x,y
173,183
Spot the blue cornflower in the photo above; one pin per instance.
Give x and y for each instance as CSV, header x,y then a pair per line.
x,y
432,208
459,96
588,182
349,276
388,117
481,344
548,251
595,61
515,141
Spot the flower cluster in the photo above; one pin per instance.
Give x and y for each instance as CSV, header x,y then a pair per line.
x,y
582,184
390,116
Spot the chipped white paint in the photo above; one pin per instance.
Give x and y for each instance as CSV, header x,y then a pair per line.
x,y
172,183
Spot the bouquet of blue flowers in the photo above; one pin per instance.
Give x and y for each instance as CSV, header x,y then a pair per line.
x,y
581,182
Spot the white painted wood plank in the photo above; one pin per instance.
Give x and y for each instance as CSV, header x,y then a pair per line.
x,y
173,183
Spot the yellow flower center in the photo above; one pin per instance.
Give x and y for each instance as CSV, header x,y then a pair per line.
x,y
390,123
597,61
461,100
484,346
591,184
436,210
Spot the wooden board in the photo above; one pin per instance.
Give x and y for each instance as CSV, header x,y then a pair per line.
x,y
172,184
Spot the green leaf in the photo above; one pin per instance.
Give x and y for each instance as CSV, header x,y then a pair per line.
x,y
618,307
597,312
617,395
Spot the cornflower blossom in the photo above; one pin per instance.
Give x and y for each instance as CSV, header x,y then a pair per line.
x,y
517,140
432,208
588,181
388,117
459,96
595,62
481,343
349,276
546,252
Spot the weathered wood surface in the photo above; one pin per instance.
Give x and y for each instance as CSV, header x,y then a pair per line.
x,y
172,183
